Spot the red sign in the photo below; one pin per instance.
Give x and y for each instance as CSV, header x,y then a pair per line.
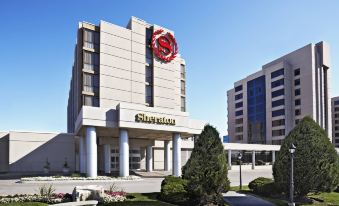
x,y
164,45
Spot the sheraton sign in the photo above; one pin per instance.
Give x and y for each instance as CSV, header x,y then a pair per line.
x,y
154,120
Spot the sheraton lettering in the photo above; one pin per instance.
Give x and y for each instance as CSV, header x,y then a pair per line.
x,y
154,120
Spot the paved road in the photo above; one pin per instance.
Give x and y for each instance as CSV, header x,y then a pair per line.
x,y
236,199
146,185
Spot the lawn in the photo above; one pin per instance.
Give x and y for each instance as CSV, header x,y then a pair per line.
x,y
320,199
144,199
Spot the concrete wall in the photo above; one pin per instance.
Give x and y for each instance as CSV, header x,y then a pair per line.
x,y
4,152
28,151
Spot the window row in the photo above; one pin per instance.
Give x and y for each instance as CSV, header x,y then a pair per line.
x,y
277,133
238,129
90,83
279,112
278,103
336,109
278,93
238,96
91,60
90,101
238,113
238,105
239,121
279,122
336,102
297,72
238,88
91,39
277,83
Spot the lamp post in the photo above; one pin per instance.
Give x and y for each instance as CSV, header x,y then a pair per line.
x,y
292,150
239,158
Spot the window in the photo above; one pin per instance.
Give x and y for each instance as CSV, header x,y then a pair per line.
x,y
238,113
336,128
239,137
149,95
238,105
182,71
183,104
278,122
149,55
277,133
238,129
238,96
297,112
91,60
297,82
336,109
336,121
297,102
239,121
297,92
278,93
336,102
278,102
277,73
278,112
90,101
90,83
91,39
276,142
297,72
336,134
183,90
336,115
277,83
238,88
149,33
149,74
337,141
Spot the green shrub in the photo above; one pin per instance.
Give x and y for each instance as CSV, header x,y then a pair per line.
x,y
256,184
174,190
206,169
75,175
316,166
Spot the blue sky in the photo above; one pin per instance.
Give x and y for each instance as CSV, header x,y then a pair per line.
x,y
221,41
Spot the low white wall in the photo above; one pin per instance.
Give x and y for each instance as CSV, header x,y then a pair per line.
x,y
28,151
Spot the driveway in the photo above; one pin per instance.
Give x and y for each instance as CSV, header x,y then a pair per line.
x,y
237,199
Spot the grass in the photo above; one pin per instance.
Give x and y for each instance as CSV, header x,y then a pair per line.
x,y
25,204
320,199
141,199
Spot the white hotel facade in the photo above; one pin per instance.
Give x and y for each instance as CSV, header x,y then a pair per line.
x,y
265,106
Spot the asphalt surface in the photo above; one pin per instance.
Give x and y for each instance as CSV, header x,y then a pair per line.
x,y
236,199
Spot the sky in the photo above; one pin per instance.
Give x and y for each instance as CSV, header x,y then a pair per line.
x,y
221,42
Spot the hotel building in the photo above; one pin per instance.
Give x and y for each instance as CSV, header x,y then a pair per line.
x,y
126,108
265,106
335,121
127,98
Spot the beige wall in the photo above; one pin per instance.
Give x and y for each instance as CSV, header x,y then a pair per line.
x,y
28,151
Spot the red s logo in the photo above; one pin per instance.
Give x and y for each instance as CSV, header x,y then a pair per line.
x,y
164,46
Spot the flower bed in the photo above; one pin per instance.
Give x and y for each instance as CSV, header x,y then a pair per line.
x,y
68,178
109,197
53,199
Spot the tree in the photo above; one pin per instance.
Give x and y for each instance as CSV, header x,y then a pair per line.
x,y
206,170
316,166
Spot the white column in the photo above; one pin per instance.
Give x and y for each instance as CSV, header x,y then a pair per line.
x,y
107,158
91,148
273,156
229,159
253,160
176,155
149,159
124,153
82,156
167,151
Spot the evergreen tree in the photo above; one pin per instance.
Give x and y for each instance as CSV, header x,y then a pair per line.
x,y
206,170
316,166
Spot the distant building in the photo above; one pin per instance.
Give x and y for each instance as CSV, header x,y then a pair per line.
x,y
335,121
265,106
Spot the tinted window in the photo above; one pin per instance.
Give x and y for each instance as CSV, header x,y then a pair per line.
x,y
297,82
238,88
277,83
336,102
278,93
238,113
297,102
238,96
297,72
297,92
278,102
277,73
278,112
239,104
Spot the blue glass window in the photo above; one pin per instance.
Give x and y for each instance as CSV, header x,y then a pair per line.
x,y
238,113
238,96
278,102
277,73
336,102
238,88
277,83
238,105
278,112
278,93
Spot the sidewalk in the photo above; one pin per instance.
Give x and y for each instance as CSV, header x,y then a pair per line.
x,y
237,199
